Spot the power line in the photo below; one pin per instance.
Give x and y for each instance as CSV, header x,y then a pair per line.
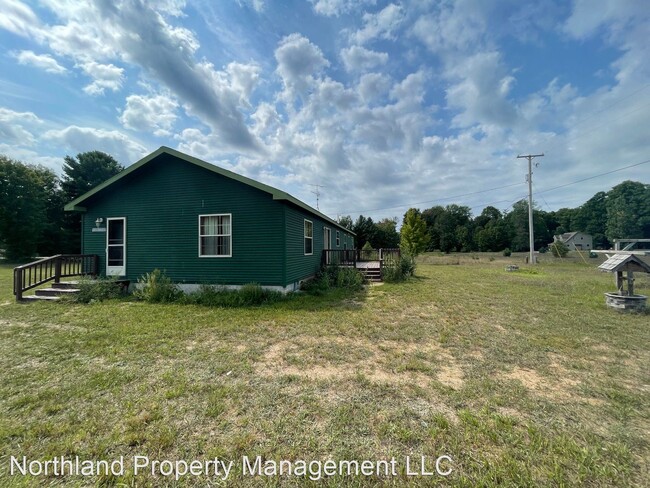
x,y
546,190
429,201
538,192
594,176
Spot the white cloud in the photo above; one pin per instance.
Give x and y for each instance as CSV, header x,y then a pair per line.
x,y
480,91
155,114
585,19
81,139
382,25
20,19
17,127
373,86
331,8
105,76
298,60
41,61
242,79
257,5
357,58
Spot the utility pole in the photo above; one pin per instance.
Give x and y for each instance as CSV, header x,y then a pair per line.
x,y
317,193
531,235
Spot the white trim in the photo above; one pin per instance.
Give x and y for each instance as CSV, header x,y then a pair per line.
x,y
304,236
117,270
229,235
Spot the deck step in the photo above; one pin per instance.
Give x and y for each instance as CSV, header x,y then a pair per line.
x,y
66,285
35,298
56,292
371,274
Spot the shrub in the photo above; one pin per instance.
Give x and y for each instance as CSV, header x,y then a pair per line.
x,y
559,249
348,278
334,277
157,287
507,252
402,270
254,294
593,254
96,290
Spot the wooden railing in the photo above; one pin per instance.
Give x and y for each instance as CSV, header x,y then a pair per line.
x,y
350,257
54,268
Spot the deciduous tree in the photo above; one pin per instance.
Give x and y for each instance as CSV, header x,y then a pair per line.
x,y
413,235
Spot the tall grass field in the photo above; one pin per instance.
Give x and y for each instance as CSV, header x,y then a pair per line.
x,y
518,378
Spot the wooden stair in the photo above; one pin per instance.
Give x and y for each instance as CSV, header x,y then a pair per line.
x,y
371,274
54,293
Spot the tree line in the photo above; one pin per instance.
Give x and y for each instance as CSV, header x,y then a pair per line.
x,y
622,212
32,220
33,223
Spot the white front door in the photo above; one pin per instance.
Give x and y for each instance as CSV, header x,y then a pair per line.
x,y
116,246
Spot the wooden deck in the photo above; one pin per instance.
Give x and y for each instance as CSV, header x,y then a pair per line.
x,y
369,262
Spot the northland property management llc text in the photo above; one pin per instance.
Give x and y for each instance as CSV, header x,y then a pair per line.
x,y
222,469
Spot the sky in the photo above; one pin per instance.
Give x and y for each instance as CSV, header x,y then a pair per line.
x,y
384,105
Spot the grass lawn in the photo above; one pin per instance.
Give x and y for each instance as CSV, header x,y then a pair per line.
x,y
523,379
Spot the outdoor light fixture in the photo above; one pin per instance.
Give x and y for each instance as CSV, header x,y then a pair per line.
x,y
98,222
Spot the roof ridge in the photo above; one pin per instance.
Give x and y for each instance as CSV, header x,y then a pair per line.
x,y
276,193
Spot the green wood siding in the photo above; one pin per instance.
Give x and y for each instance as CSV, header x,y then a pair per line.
x,y
162,202
299,265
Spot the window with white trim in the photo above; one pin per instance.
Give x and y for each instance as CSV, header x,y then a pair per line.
x,y
309,237
215,235
338,239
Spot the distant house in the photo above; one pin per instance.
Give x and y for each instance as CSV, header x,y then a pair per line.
x,y
203,224
576,241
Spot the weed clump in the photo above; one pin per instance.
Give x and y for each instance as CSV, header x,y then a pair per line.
x,y
250,294
400,271
334,277
157,287
96,290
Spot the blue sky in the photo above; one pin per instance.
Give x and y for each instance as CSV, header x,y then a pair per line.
x,y
385,104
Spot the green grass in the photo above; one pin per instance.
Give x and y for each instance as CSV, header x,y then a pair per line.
x,y
524,379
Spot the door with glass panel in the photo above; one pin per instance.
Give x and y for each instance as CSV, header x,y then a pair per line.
x,y
116,246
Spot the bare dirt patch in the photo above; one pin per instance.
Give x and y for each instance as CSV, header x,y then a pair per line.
x,y
560,385
370,359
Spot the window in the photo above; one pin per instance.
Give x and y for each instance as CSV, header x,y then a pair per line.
x,y
338,239
309,237
215,235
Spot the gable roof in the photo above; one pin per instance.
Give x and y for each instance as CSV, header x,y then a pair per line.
x,y
77,203
567,236
620,262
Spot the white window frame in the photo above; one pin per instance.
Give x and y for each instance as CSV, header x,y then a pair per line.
x,y
338,239
305,237
216,235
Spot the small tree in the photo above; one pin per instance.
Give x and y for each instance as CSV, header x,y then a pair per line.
x,y
413,235
559,249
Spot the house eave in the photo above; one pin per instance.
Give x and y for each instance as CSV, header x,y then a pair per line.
x,y
74,208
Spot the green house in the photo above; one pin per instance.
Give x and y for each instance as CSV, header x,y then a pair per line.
x,y
203,224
